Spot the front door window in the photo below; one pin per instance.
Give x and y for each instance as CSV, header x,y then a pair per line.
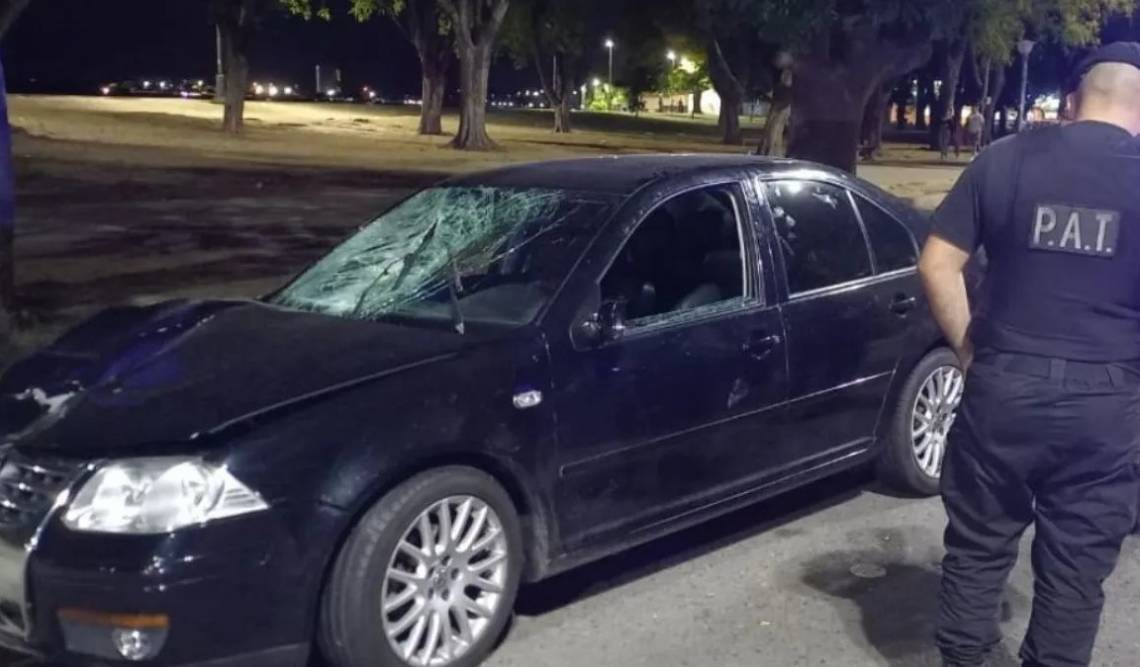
x,y
685,257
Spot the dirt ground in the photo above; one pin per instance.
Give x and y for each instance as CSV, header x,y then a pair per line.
x,y
344,136
145,199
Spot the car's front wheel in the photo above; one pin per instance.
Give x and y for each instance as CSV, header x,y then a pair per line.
x,y
428,576
915,444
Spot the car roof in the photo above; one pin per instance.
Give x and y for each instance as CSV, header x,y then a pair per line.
x,y
626,174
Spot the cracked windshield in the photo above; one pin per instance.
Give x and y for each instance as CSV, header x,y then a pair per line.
x,y
471,253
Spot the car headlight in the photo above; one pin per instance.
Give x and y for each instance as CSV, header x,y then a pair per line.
x,y
157,495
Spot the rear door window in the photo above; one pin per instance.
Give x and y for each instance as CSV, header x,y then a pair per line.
x,y
894,245
819,235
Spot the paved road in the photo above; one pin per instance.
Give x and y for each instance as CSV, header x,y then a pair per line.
x,y
773,587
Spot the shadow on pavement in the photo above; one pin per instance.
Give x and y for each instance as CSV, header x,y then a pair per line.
x,y
588,580
897,602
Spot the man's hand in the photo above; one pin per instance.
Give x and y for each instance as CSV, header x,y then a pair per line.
x,y
942,268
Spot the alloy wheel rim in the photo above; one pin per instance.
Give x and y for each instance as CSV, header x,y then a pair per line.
x,y
933,414
445,581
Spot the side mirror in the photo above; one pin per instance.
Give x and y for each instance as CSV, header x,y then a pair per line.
x,y
607,325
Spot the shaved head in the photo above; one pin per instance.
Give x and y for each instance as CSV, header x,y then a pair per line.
x,y
1110,92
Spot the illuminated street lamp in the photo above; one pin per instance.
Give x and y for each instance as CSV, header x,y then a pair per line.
x,y
609,93
671,56
1024,47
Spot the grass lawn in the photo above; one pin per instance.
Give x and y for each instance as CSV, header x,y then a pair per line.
x,y
376,138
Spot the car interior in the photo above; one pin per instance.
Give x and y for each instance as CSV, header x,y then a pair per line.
x,y
685,255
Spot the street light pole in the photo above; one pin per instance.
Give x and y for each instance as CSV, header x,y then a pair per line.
x,y
610,90
1025,47
671,56
220,70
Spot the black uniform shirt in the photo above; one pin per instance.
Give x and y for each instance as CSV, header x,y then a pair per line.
x,y
1057,210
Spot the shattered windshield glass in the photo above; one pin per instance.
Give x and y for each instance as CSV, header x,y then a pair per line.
x,y
469,253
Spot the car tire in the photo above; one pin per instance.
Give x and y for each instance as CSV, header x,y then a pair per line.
x,y
387,548
902,461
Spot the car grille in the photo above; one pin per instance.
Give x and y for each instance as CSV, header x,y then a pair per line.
x,y
29,490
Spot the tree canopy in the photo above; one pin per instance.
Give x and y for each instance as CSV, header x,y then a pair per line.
x,y
994,26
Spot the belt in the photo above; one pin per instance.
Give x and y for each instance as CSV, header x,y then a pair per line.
x,y
1119,374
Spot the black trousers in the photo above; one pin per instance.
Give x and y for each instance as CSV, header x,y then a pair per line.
x,y
1043,442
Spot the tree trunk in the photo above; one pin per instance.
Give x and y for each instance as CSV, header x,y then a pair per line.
x,y
474,73
475,25
420,24
237,81
874,117
828,116
951,75
431,113
830,94
235,20
984,104
731,108
902,103
698,99
235,28
731,92
559,88
562,116
998,87
9,12
831,140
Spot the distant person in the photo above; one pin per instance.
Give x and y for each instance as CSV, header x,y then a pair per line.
x,y
1048,433
975,129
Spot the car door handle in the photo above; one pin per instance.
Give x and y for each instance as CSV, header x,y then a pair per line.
x,y
761,345
903,304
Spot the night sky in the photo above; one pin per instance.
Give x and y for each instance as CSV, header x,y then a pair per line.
x,y
77,45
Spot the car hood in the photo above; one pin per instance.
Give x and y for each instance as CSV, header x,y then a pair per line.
x,y
150,378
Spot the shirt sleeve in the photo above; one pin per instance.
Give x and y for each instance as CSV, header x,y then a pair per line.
x,y
958,219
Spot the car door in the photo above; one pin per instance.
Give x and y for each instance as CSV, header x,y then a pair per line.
x,y
897,288
845,323
685,405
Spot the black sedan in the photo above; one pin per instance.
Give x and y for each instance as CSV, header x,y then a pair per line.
x,y
501,378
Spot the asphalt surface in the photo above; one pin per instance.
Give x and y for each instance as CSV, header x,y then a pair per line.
x,y
840,574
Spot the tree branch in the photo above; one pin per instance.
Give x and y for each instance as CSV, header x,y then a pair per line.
x,y
460,13
720,71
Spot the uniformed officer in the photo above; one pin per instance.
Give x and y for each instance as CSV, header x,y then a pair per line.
x,y
1049,428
